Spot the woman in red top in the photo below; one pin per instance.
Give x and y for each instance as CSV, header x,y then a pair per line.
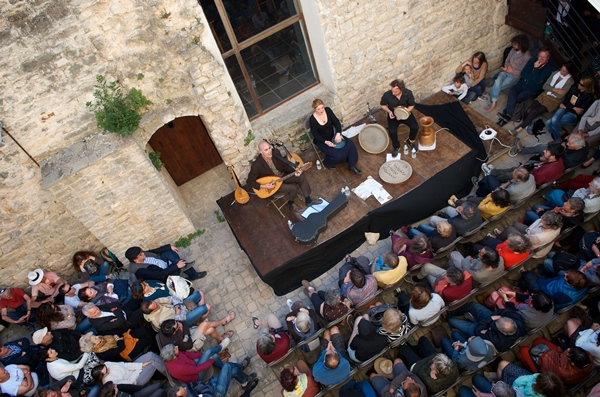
x,y
572,366
274,342
514,250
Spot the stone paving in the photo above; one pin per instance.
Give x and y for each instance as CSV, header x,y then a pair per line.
x,y
232,284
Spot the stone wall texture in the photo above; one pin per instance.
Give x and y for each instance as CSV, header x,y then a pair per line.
x,y
37,230
51,51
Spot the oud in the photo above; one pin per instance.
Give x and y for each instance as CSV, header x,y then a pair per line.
x,y
241,196
277,181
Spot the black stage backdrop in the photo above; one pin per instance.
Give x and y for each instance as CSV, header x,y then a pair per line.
x,y
415,205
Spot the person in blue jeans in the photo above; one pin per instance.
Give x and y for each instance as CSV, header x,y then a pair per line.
x,y
571,212
503,327
404,381
171,307
216,387
482,385
187,366
579,98
511,70
479,67
91,264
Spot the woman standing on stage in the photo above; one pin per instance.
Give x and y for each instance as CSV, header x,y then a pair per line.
x,y
326,130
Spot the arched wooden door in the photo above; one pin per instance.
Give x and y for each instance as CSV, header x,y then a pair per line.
x,y
186,148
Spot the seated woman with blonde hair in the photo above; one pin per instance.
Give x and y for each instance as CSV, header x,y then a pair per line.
x,y
326,130
394,324
117,348
440,236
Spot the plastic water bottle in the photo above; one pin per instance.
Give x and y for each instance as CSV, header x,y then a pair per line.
x,y
548,29
413,153
318,165
405,150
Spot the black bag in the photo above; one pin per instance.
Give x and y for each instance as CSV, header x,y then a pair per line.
x,y
563,261
376,313
537,126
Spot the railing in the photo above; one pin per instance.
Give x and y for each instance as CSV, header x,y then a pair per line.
x,y
570,40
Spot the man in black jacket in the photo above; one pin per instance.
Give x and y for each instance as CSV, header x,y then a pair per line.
x,y
503,327
159,263
64,341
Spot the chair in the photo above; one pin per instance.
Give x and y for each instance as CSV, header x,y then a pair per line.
x,y
369,362
328,389
275,202
519,203
542,251
571,391
467,236
590,216
444,251
535,330
311,138
463,300
442,392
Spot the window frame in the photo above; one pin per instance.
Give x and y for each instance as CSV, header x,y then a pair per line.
x,y
238,47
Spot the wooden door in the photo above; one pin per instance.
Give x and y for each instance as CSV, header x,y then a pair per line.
x,y
186,148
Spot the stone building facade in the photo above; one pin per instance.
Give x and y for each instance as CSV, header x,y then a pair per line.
x,y
92,190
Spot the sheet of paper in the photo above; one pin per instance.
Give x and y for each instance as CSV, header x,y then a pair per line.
x,y
365,189
315,208
353,131
382,195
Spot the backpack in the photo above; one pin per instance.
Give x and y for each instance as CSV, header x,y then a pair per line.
x,y
536,127
564,261
111,259
376,313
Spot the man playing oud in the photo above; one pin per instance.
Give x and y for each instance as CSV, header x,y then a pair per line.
x,y
268,164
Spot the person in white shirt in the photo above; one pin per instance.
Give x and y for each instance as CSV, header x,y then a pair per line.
x,y
458,88
138,372
18,380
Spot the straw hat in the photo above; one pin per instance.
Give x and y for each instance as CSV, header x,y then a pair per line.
x,y
384,367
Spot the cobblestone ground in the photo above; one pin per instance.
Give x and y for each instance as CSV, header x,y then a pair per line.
x,y
232,284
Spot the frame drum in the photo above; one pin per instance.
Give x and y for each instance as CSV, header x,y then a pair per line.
x,y
401,113
374,139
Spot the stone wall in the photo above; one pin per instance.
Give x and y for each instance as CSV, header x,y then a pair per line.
x,y
37,230
140,209
51,51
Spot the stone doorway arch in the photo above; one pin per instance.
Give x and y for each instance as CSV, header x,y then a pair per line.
x,y
186,148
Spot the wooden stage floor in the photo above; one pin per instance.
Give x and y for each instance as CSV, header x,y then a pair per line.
x,y
264,234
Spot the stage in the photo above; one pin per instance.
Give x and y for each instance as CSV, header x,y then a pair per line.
x,y
282,263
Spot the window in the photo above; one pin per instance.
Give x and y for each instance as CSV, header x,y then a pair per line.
x,y
264,47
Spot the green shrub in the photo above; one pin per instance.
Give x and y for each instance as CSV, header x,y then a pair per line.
x,y
116,112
